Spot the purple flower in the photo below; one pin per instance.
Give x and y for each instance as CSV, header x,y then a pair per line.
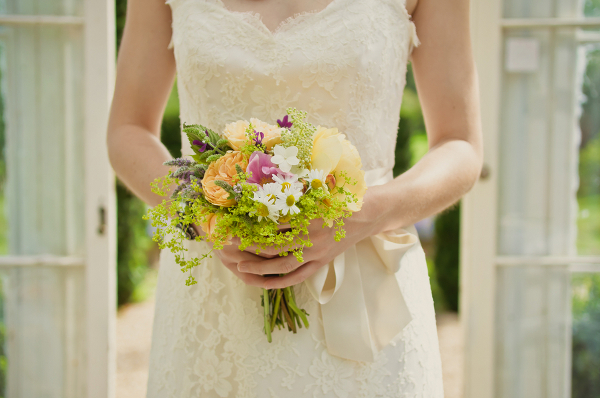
x,y
262,169
258,137
284,122
180,162
201,144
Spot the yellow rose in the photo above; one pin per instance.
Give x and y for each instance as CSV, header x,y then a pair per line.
x,y
333,153
272,133
327,149
235,133
351,164
223,169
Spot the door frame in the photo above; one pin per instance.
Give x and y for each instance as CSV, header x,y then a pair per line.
x,y
100,202
479,210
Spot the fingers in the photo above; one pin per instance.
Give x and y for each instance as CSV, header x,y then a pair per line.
x,y
248,279
267,252
293,278
279,265
231,260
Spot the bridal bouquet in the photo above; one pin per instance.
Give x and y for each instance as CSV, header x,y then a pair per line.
x,y
263,184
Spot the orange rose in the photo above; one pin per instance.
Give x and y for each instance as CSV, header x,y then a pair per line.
x,y
223,169
209,225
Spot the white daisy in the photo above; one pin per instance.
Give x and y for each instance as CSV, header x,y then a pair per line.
x,y
316,179
286,181
268,207
285,158
286,200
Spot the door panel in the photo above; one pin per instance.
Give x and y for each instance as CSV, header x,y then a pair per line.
x,y
57,268
531,227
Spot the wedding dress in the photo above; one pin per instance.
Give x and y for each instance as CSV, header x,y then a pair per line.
x,y
345,65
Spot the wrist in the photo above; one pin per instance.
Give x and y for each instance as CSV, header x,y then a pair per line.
x,y
367,221
381,210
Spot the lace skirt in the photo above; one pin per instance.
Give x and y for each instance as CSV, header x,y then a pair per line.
x,y
208,342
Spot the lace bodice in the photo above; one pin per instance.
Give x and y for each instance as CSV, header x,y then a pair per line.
x,y
344,65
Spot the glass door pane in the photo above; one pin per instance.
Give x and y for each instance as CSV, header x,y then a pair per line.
x,y
586,335
549,205
42,322
588,194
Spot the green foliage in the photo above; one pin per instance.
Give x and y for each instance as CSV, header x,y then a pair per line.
x,y
410,128
216,146
3,337
300,136
591,8
446,259
133,243
586,331
170,133
588,226
588,195
120,12
412,145
589,168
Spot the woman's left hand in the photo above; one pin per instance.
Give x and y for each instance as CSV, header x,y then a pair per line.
x,y
324,249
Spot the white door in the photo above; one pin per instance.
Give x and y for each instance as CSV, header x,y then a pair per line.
x,y
58,242
530,234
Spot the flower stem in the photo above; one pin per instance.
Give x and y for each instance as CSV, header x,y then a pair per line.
x,y
267,308
290,322
292,305
276,309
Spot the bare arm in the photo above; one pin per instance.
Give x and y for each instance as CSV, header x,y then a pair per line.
x,y
145,73
447,85
446,80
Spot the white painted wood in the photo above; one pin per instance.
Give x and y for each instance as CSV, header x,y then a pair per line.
x,y
523,350
584,267
535,261
56,76
8,20
100,200
478,224
41,261
588,36
41,359
515,23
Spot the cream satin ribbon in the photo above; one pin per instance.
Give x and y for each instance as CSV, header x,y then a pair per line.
x,y
366,312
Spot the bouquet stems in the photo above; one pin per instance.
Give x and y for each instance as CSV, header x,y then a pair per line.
x,y
276,310
280,309
267,306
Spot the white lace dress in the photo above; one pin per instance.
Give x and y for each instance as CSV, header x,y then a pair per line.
x,y
346,66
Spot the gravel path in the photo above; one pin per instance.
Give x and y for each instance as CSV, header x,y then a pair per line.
x,y
134,329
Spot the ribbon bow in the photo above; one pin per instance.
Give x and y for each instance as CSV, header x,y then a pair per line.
x,y
366,312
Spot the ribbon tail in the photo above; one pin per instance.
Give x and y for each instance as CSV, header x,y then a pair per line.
x,y
345,317
323,284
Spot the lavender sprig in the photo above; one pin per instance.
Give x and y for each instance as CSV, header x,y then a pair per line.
x,y
179,162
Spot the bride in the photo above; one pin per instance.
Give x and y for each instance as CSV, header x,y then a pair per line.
x,y
372,331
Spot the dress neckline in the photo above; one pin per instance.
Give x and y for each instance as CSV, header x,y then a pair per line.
x,y
285,24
